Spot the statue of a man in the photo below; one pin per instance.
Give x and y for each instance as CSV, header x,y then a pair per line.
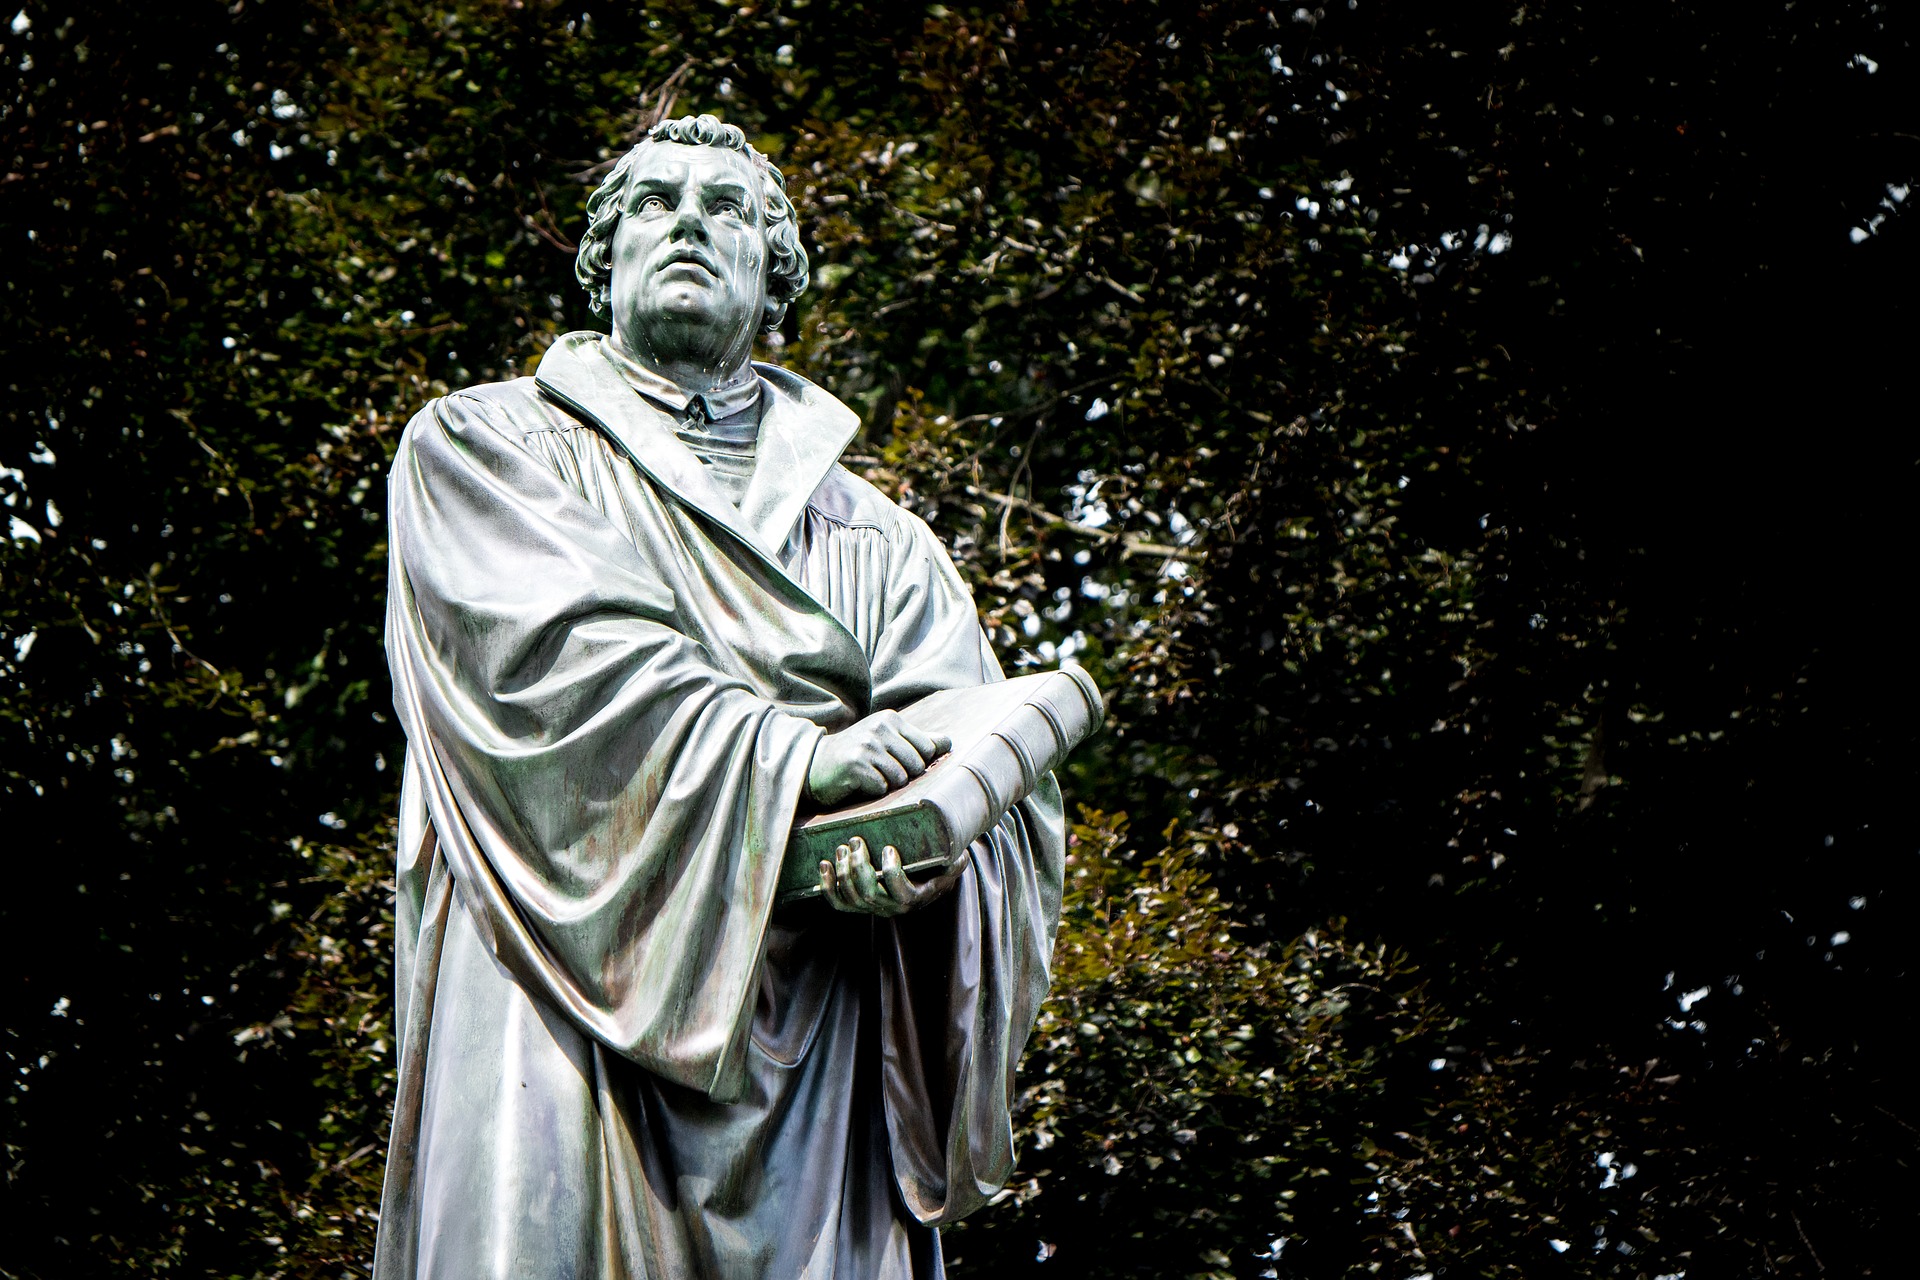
x,y
639,617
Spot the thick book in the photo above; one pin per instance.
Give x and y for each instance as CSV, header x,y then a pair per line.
x,y
1006,738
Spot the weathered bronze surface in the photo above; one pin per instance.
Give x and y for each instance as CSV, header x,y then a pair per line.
x,y
638,617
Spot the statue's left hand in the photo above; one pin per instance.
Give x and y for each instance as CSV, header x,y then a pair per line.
x,y
850,882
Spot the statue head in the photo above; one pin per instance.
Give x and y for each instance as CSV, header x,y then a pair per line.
x,y
692,243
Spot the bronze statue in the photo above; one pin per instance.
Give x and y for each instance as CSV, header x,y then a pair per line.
x,y
639,620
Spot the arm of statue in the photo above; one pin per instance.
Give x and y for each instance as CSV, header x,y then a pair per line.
x,y
869,759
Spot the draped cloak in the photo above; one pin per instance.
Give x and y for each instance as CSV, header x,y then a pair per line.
x,y
616,1058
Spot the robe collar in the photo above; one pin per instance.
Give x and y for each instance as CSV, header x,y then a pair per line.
x,y
803,430
721,402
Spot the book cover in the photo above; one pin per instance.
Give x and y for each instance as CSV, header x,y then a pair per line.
x,y
1006,738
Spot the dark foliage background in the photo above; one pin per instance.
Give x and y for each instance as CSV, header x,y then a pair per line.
x,y
1473,445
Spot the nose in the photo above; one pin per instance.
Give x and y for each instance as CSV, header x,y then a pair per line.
x,y
690,221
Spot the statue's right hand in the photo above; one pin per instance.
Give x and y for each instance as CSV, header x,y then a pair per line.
x,y
871,758
849,882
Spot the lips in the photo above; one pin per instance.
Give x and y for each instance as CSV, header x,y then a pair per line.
x,y
691,258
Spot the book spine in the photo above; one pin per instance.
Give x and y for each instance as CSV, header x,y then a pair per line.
x,y
1003,768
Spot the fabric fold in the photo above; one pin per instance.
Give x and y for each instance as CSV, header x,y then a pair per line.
x,y
617,802
616,1059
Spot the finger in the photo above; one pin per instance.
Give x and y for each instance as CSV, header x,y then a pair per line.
x,y
929,745
890,769
864,881
843,881
903,741
867,780
848,899
894,876
832,887
879,726
908,755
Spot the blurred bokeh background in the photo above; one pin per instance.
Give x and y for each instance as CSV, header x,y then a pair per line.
x,y
1473,445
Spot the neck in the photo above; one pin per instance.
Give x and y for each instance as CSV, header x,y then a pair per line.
x,y
694,372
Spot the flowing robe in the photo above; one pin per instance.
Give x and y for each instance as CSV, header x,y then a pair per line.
x,y
616,1058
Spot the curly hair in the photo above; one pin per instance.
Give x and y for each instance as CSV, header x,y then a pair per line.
x,y
786,260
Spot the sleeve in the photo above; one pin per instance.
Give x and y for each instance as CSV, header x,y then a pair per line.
x,y
961,981
613,806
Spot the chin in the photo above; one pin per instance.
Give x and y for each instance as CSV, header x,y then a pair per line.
x,y
685,324
690,300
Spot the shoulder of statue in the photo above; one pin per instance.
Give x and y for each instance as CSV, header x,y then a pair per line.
x,y
517,398
515,408
852,502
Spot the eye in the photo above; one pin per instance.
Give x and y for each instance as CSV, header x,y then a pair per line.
x,y
729,207
652,204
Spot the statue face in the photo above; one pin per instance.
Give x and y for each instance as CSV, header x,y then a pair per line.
x,y
689,258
